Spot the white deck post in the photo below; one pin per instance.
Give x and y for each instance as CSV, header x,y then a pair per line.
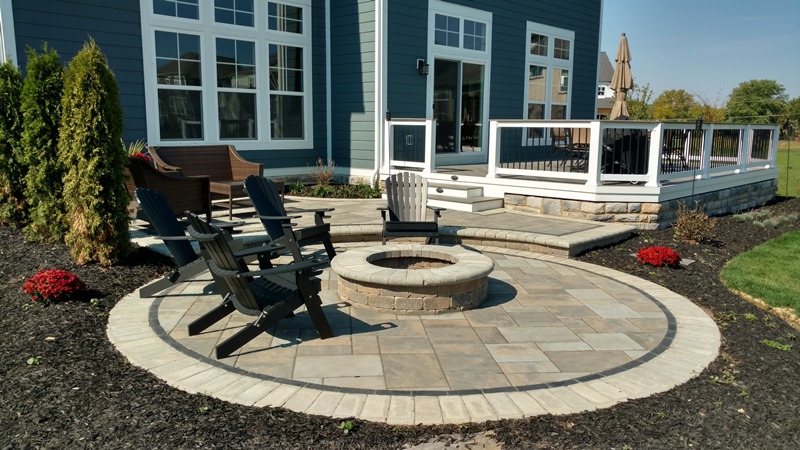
x,y
387,139
705,156
494,157
745,141
594,154
654,163
773,157
429,145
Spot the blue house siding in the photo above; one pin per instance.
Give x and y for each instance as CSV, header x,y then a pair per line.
x,y
407,41
115,26
353,81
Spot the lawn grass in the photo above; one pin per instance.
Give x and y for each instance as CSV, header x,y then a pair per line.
x,y
790,169
769,272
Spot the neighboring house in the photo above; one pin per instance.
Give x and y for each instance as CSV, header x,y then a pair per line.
x,y
291,81
605,95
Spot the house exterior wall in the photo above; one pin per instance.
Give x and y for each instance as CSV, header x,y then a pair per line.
x,y
407,41
116,28
353,83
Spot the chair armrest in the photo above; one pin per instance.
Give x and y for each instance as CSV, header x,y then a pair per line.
x,y
288,268
228,226
277,217
174,238
314,210
259,250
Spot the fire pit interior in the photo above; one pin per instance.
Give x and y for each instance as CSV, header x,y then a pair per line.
x,y
413,279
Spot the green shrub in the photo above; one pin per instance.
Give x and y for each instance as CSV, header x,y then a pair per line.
x,y
693,225
41,110
94,187
12,169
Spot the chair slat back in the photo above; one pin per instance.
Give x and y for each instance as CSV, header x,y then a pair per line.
x,y
407,197
266,199
162,218
217,246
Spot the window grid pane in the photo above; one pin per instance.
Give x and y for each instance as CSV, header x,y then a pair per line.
x,y
537,84
287,116
180,114
560,86
474,35
239,12
178,59
446,30
538,44
186,9
235,66
237,115
285,68
561,49
285,18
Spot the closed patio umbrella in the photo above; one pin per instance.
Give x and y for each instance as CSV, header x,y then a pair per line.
x,y
621,81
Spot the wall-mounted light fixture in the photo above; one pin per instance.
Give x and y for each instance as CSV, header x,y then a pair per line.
x,y
422,67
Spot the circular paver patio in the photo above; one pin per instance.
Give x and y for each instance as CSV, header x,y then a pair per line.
x,y
554,336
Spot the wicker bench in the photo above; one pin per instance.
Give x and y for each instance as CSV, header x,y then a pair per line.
x,y
183,193
222,163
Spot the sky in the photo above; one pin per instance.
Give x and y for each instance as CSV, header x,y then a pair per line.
x,y
706,47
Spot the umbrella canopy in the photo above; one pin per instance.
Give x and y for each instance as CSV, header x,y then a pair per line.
x,y
621,81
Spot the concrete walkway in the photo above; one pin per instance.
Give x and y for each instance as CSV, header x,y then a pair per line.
x,y
554,336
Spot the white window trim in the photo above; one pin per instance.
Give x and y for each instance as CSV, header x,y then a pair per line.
x,y
7,34
209,31
482,57
551,63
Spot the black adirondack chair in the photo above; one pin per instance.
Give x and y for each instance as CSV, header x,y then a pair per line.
x,y
262,293
407,198
188,261
269,209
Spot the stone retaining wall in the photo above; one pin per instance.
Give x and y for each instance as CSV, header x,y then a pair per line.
x,y
647,215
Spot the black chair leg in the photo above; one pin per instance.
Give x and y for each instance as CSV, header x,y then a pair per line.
x,y
212,317
329,248
253,330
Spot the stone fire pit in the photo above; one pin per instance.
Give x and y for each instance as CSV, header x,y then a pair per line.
x,y
413,279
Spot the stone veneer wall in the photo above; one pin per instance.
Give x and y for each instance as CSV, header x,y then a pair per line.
x,y
647,215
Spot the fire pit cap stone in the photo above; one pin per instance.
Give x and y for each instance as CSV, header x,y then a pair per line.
x,y
460,265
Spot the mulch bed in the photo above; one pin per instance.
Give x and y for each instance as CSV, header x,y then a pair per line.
x,y
83,394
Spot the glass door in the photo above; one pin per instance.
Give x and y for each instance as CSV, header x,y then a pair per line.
x,y
458,106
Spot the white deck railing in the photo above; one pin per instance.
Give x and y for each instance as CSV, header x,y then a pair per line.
x,y
602,152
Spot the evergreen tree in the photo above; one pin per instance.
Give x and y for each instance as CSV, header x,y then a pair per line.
x,y
91,130
12,169
41,110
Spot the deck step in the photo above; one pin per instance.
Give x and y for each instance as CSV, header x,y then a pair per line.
x,y
454,190
471,204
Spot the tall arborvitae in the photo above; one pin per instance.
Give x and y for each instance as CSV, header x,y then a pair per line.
x,y
12,169
41,110
91,130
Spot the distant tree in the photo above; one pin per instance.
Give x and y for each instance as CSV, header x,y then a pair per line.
x,y
12,169
639,102
41,110
791,116
709,110
94,186
674,104
756,101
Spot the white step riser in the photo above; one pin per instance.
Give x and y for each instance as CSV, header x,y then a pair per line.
x,y
468,207
467,192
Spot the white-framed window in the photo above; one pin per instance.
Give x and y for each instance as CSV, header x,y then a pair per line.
x,y
226,70
458,27
601,91
549,65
